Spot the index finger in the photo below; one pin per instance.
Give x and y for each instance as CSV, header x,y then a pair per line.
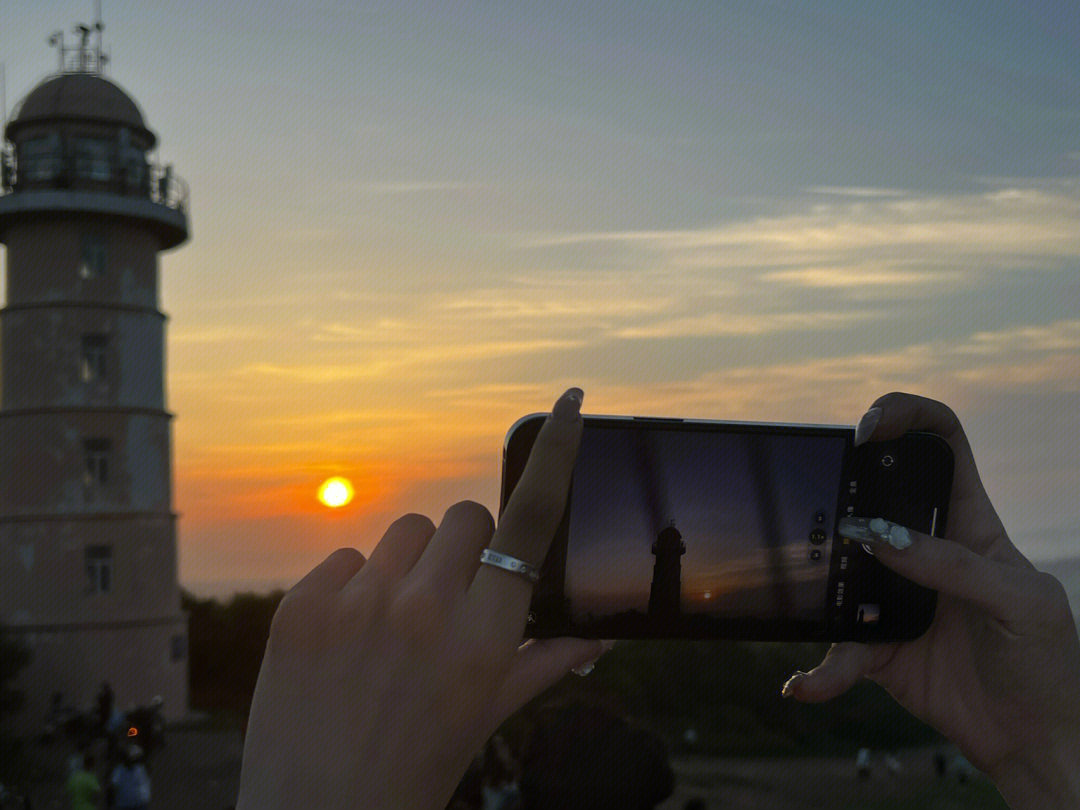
x,y
530,519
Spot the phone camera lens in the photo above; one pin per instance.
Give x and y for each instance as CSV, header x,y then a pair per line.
x,y
887,461
815,554
817,537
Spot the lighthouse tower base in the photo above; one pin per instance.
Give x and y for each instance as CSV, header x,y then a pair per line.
x,y
139,663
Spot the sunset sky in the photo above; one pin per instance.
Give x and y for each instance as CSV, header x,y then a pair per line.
x,y
413,223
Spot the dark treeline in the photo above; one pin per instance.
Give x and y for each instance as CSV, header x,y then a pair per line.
x,y
226,642
727,692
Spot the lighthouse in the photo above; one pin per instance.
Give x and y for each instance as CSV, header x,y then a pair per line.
x,y
665,595
88,558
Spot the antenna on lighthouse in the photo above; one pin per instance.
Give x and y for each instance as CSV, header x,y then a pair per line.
x,y
99,26
84,54
57,41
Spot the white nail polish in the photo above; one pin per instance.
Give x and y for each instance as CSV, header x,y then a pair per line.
x,y
899,537
584,669
874,531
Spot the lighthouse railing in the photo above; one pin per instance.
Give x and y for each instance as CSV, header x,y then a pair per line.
x,y
63,170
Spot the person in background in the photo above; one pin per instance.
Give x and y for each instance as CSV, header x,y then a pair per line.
x,y
940,763
82,786
862,764
499,787
104,703
419,647
131,782
114,735
893,764
75,760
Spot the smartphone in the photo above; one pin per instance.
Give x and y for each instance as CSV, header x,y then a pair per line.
x,y
679,528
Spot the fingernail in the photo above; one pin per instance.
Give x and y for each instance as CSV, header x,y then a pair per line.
x,y
865,429
568,407
585,668
789,686
605,645
874,531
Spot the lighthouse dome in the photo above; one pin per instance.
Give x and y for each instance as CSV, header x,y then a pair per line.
x,y
78,98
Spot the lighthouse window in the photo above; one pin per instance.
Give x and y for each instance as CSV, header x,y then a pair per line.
x,y
39,158
94,351
93,258
92,158
99,568
97,460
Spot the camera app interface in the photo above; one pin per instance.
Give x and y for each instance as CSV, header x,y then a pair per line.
x,y
694,528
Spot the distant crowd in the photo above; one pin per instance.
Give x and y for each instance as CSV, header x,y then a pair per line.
x,y
120,776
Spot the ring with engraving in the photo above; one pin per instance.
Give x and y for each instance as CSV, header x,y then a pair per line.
x,y
511,564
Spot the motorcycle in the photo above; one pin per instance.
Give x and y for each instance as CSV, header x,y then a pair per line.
x,y
142,726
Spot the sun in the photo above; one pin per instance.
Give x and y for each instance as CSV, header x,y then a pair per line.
x,y
335,492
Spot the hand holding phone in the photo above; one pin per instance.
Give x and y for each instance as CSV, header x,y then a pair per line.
x,y
692,529
998,672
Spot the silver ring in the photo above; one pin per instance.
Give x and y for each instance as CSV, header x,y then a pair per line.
x,y
511,564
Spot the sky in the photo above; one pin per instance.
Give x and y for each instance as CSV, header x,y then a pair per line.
x,y
413,223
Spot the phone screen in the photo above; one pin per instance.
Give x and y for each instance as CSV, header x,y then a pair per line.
x,y
692,529
727,525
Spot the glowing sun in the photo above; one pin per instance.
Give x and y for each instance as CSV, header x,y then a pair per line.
x,y
335,492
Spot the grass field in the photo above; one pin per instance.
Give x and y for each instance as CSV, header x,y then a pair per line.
x,y
825,783
200,768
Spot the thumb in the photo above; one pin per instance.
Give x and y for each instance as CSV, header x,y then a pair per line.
x,y
843,666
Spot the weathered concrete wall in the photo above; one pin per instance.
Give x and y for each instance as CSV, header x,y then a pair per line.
x,y
43,356
43,570
45,258
46,457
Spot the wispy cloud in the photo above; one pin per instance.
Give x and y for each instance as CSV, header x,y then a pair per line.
x,y
216,334
523,303
857,191
735,324
314,372
419,187
1060,336
963,371
1014,223
864,274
